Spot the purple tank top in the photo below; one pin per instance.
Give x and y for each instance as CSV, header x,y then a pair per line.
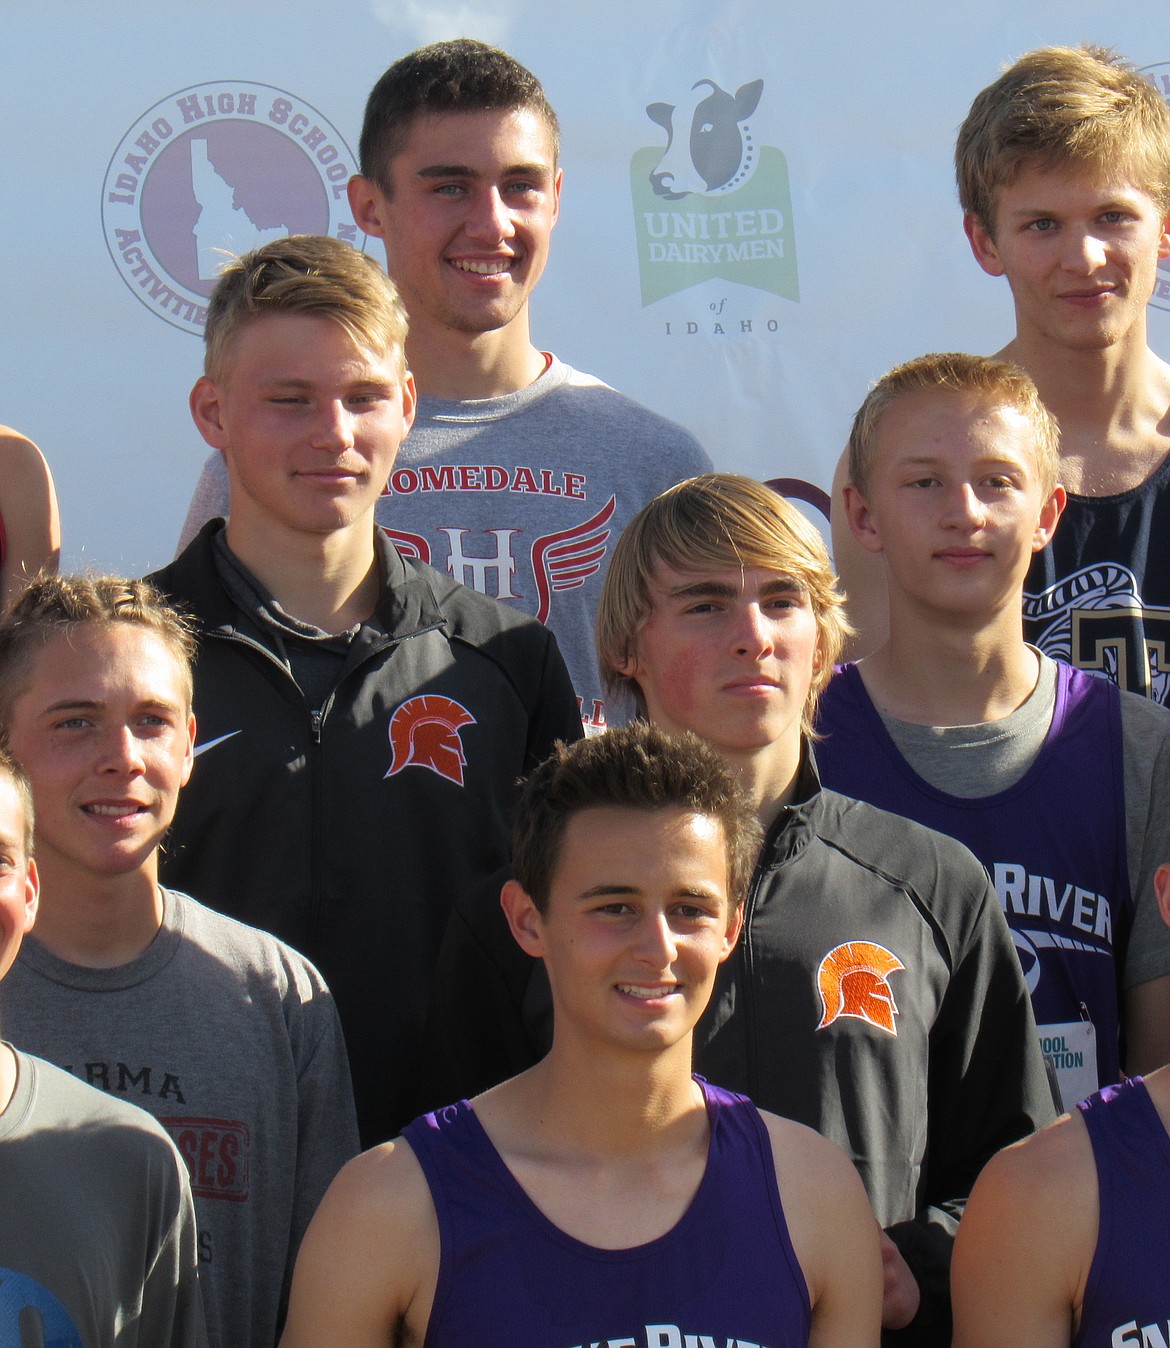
x,y
1054,844
1127,1294
725,1274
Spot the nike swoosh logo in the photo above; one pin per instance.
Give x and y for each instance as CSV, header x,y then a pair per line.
x,y
203,748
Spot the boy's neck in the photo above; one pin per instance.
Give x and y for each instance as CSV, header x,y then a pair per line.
x,y
7,1076
329,580
939,674
609,1103
462,366
98,923
769,775
1112,405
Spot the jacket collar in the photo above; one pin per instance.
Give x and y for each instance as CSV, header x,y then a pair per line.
x,y
406,599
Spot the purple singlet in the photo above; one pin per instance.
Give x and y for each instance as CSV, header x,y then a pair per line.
x,y
1053,843
1127,1294
725,1274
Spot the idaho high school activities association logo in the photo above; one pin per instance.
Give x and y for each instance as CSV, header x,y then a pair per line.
x,y
211,172
713,203
854,980
424,733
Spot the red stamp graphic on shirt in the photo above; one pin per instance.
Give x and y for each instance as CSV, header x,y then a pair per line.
x,y
217,1153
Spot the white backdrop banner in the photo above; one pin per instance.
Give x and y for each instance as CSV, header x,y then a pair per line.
x,y
758,218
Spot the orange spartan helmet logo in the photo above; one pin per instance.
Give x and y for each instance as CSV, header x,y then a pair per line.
x,y
854,981
424,731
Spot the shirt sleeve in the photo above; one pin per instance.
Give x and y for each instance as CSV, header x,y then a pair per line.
x,y
212,499
1145,736
988,1088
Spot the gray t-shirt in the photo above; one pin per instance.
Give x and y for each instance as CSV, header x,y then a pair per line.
x,y
981,760
97,1231
523,498
231,1040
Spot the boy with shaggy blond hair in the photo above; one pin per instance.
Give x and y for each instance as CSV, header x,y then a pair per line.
x,y
1055,779
875,995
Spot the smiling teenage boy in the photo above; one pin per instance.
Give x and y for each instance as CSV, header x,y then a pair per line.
x,y
875,995
363,719
519,471
1057,782
97,1231
1063,168
228,1037
1064,1241
606,1195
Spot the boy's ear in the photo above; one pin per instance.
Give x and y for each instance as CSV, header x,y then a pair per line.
x,y
366,201
32,896
525,921
861,522
1162,892
1050,513
189,756
206,405
734,927
982,244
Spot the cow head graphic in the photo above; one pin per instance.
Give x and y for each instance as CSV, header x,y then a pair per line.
x,y
709,147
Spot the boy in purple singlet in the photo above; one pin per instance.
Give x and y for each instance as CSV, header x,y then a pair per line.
x,y
1055,779
605,1196
1064,1242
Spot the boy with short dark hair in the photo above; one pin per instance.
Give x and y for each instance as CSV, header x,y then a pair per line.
x,y
605,1195
364,719
224,1034
97,1231
1055,780
519,472
876,996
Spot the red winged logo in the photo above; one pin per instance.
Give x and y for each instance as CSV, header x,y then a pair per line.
x,y
424,733
564,560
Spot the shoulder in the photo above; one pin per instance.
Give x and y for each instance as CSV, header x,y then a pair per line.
x,y
107,1131
1038,1195
242,952
22,465
839,1257
898,849
507,636
191,581
370,1256
622,417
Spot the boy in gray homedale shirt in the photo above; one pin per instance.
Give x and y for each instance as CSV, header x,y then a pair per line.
x,y
223,1033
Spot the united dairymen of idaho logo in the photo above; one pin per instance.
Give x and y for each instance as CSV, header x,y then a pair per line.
x,y
211,172
712,204
854,980
1159,77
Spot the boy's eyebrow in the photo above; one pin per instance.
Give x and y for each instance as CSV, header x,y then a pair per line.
x,y
466,171
709,588
95,704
